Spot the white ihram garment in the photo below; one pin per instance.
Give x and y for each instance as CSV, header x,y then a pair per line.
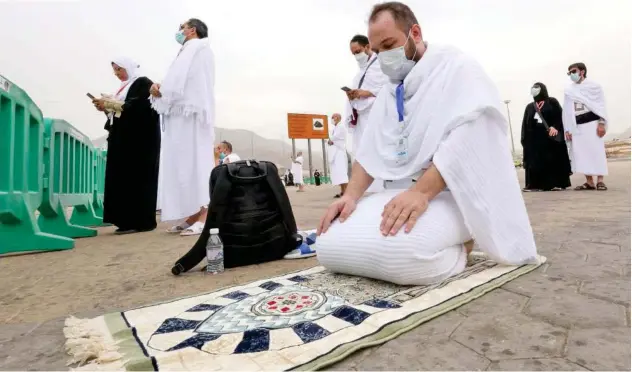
x,y
453,118
185,167
187,106
297,171
373,82
231,158
587,150
337,155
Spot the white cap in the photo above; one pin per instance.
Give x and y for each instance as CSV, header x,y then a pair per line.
x,y
214,231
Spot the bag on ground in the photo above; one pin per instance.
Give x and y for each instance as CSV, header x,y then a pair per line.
x,y
251,209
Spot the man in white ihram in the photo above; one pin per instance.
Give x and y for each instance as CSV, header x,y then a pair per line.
x,y
585,123
186,101
367,83
437,134
226,153
337,154
297,171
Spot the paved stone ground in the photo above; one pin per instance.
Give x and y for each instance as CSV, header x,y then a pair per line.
x,y
573,313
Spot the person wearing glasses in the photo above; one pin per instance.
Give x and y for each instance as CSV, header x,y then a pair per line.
x,y
585,124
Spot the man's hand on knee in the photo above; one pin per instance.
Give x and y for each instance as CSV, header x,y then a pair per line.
x,y
341,209
404,209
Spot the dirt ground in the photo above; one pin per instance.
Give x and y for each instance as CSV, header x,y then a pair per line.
x,y
111,272
582,294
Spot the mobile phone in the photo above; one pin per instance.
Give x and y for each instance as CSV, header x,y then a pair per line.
x,y
90,95
346,89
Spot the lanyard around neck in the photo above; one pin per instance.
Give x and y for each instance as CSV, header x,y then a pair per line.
x,y
399,100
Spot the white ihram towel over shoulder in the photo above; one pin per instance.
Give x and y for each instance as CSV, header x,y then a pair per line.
x,y
591,95
188,88
446,90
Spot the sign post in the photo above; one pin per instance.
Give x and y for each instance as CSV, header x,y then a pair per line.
x,y
325,163
309,151
307,126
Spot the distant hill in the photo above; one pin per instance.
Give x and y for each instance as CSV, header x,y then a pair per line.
x,y
250,145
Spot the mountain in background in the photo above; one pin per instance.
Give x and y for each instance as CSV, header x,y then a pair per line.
x,y
249,145
621,136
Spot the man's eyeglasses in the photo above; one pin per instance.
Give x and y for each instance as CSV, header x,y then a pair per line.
x,y
573,71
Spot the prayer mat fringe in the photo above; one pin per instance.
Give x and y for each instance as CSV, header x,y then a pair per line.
x,y
88,344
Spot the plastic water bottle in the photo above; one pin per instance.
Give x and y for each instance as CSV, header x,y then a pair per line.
x,y
214,253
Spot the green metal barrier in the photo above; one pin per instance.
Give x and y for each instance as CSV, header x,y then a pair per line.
x,y
312,181
69,181
21,171
100,158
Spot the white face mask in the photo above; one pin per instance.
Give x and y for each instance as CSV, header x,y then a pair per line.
x,y
575,77
394,62
535,91
362,59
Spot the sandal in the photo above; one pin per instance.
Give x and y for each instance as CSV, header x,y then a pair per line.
x,y
195,229
601,186
585,186
177,229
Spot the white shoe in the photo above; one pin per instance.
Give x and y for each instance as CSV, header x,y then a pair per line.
x,y
195,229
177,229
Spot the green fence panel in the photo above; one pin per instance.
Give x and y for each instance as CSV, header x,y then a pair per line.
x,y
100,158
21,174
68,181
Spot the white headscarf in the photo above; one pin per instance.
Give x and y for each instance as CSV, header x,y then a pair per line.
x,y
132,74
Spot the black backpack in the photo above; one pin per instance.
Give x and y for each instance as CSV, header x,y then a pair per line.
x,y
251,209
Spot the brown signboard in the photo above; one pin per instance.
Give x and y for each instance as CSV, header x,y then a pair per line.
x,y
307,126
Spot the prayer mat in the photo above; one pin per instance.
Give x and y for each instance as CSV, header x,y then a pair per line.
x,y
306,320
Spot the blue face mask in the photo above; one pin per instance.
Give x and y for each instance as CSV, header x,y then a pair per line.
x,y
180,38
575,77
222,156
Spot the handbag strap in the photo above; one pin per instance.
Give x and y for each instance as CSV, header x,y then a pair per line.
x,y
546,125
365,71
559,137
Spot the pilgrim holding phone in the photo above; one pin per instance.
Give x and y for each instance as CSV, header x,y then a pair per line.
x,y
366,84
108,104
131,172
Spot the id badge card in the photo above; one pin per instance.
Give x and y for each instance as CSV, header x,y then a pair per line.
x,y
401,151
537,118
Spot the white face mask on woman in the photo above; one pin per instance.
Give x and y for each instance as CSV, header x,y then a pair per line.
x,y
394,62
535,91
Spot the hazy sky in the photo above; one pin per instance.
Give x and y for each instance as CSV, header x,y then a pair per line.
x,y
277,56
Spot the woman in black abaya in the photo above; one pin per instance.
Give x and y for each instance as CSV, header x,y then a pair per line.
x,y
546,162
131,173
